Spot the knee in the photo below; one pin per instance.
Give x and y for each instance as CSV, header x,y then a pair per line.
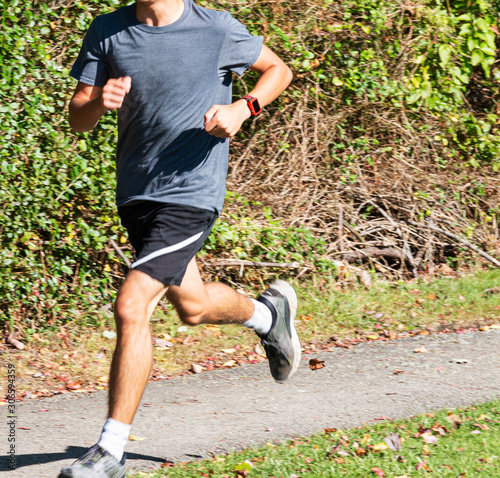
x,y
130,317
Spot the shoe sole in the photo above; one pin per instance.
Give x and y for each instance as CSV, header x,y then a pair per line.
x,y
285,289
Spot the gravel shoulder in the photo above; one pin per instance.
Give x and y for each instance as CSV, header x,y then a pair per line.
x,y
215,412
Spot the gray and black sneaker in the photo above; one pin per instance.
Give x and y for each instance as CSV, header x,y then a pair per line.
x,y
281,342
95,463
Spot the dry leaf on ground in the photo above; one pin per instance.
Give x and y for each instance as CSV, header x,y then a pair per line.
x,y
393,441
316,364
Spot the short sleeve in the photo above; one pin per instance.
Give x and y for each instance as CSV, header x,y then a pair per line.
x,y
240,49
90,66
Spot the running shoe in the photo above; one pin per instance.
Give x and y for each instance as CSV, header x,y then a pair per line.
x,y
95,463
281,343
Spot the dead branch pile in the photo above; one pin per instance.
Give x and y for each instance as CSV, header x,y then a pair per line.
x,y
395,205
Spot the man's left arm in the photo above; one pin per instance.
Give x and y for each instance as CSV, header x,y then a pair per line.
x,y
224,121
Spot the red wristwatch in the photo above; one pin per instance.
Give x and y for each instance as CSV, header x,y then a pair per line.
x,y
253,104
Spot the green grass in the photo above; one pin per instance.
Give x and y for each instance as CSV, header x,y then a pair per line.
x,y
470,450
448,301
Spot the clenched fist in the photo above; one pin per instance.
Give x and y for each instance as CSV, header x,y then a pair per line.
x,y
114,91
224,121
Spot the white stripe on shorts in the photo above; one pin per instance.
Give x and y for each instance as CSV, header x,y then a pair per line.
x,y
166,250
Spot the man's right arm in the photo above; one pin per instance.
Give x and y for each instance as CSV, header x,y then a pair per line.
x,y
90,103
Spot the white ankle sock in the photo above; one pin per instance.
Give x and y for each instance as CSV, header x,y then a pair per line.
x,y
114,437
261,319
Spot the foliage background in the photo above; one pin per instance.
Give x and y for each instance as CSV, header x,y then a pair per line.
x,y
393,102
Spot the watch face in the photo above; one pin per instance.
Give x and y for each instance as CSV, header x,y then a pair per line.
x,y
254,106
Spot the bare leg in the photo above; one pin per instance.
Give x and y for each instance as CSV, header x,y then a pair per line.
x,y
211,303
133,355
195,303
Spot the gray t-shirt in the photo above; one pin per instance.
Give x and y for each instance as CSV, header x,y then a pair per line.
x,y
178,72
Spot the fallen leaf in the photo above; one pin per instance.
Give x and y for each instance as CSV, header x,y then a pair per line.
x,y
340,461
393,441
360,451
380,447
482,426
329,430
258,350
24,428
456,420
432,296
18,345
229,351
378,471
245,466
398,371
230,363
422,465
493,290
429,438
461,298
421,350
306,318
372,337
316,364
135,438
425,450
196,368
162,344
70,385
212,328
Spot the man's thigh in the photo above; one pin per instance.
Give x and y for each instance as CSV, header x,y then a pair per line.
x,y
166,237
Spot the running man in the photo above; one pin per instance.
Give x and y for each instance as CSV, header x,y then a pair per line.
x,y
166,66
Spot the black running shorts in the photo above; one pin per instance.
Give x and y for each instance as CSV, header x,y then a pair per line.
x,y
165,237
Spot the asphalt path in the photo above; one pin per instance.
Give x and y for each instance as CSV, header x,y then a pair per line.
x,y
215,412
